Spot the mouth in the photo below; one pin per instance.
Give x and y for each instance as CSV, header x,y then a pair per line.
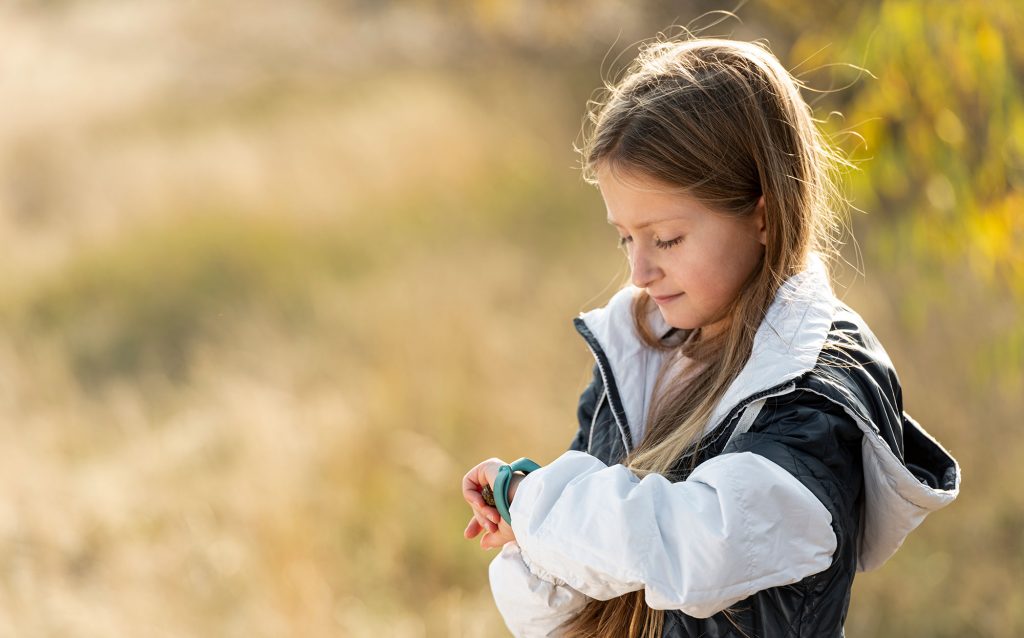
x,y
666,299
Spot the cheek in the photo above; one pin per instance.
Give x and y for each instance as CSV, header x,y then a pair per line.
x,y
714,276
735,253
697,270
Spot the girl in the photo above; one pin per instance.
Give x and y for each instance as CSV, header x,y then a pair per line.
x,y
742,450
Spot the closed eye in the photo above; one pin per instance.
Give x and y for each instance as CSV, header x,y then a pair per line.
x,y
657,242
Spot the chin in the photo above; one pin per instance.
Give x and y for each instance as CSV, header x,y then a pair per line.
x,y
678,322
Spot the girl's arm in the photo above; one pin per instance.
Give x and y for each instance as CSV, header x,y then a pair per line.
x,y
739,524
532,602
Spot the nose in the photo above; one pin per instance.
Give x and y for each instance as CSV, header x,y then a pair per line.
x,y
643,270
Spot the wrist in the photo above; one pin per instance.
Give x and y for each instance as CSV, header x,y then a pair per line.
x,y
517,478
504,481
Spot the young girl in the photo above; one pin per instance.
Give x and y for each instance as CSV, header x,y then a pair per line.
x,y
742,450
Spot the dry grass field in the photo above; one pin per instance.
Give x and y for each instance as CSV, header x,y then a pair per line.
x,y
275,279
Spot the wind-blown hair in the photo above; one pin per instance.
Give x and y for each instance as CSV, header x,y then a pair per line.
x,y
724,122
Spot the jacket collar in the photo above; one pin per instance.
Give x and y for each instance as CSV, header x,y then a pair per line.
x,y
786,345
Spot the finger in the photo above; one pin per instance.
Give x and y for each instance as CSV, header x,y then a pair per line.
x,y
484,522
473,528
488,516
487,519
491,514
471,490
493,540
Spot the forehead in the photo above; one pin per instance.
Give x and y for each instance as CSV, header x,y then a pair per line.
x,y
637,200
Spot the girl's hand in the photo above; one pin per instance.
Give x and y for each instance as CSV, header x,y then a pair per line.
x,y
491,540
485,517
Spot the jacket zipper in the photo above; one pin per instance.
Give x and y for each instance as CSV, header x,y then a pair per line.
x,y
584,331
615,415
593,418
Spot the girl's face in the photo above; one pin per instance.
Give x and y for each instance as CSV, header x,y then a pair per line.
x,y
691,260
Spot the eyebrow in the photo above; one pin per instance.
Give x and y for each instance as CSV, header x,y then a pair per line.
x,y
645,224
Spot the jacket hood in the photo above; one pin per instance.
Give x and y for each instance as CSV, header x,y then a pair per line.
x,y
907,473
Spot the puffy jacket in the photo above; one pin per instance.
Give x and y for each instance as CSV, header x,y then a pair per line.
x,y
809,471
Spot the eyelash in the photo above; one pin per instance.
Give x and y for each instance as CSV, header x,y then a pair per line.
x,y
657,242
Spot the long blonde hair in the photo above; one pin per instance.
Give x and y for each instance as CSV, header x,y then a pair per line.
x,y
724,122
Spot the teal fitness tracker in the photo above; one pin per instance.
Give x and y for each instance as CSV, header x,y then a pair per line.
x,y
504,479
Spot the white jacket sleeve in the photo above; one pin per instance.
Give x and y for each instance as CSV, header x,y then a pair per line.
x,y
533,603
737,525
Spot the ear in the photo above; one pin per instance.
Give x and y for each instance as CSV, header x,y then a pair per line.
x,y
762,234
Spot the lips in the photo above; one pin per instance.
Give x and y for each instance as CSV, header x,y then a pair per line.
x,y
665,298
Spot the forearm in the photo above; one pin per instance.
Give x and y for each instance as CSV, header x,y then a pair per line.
x,y
697,545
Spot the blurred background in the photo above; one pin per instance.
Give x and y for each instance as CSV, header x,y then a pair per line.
x,y
276,274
